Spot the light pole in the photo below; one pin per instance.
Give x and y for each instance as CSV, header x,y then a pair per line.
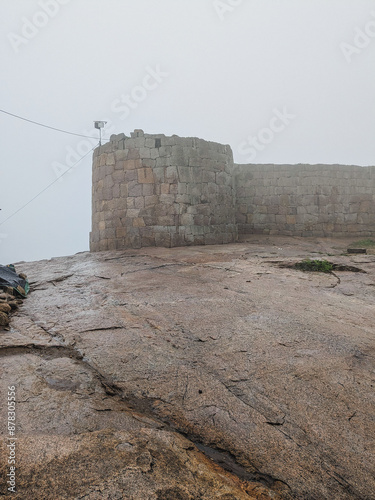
x,y
99,125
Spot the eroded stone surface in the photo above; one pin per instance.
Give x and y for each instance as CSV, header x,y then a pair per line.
x,y
123,360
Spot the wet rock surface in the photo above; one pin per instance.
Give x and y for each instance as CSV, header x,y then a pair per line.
x,y
194,373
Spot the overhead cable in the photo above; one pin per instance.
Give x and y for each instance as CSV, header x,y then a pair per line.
x,y
47,187
46,126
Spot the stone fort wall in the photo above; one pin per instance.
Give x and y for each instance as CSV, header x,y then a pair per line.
x,y
153,190
305,200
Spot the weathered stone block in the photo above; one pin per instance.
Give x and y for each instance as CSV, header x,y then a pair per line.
x,y
145,176
121,155
154,153
124,189
134,189
133,154
131,213
367,206
139,202
145,153
171,175
102,159
163,161
138,222
163,239
148,241
151,200
187,219
130,202
110,160
131,176
167,199
118,176
167,220
132,164
148,189
165,188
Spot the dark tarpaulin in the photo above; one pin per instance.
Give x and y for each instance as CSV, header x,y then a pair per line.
x,y
9,278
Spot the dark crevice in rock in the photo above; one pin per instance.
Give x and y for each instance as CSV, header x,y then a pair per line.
x,y
223,458
352,269
275,423
350,490
338,280
162,266
123,256
240,397
352,416
35,284
144,407
103,329
56,336
335,267
228,462
60,278
46,351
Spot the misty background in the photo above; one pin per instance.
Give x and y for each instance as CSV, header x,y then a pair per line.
x,y
218,70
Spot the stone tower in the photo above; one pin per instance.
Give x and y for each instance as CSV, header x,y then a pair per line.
x,y
153,190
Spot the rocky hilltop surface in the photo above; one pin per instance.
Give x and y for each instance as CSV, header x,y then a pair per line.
x,y
194,373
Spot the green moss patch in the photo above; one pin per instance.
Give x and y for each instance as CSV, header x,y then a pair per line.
x,y
317,265
366,243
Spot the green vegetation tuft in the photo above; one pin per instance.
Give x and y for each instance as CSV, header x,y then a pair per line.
x,y
322,266
366,243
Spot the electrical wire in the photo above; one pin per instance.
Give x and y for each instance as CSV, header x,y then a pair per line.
x,y
47,187
46,126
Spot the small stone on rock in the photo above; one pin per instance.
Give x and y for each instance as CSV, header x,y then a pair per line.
x,y
4,319
6,308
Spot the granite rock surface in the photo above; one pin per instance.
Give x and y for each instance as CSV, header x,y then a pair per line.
x,y
194,373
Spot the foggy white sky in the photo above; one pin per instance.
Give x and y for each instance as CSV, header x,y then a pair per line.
x,y
224,71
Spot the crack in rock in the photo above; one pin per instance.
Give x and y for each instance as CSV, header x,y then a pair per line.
x,y
223,458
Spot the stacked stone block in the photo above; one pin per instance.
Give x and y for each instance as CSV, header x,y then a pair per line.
x,y
153,190
305,200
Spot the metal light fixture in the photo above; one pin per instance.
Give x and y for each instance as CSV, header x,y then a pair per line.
x,y
99,125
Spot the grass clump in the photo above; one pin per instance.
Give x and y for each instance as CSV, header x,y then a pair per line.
x,y
366,243
322,266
